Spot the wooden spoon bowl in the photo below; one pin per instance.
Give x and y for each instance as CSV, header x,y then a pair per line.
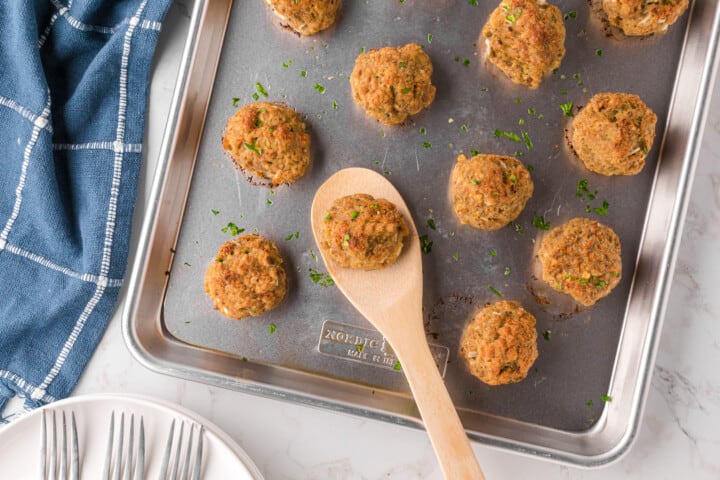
x,y
391,299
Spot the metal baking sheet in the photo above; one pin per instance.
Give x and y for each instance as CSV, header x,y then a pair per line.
x,y
310,354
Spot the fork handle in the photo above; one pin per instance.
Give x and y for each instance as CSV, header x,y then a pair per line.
x,y
447,435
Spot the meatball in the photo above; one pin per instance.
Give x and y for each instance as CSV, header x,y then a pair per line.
x,y
525,39
643,17
247,277
489,191
393,83
613,134
363,232
581,258
500,344
306,17
269,141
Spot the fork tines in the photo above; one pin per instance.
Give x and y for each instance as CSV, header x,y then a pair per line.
x,y
55,464
170,467
122,462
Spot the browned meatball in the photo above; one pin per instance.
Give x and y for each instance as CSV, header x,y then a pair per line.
x,y
613,134
269,141
500,344
489,191
393,83
247,277
363,232
581,258
525,39
306,17
643,17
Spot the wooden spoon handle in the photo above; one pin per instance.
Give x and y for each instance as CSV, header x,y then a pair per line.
x,y
447,435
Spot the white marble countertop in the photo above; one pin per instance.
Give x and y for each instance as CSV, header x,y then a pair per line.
x,y
680,432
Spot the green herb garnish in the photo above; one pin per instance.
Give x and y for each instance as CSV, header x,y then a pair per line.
x,y
495,291
260,89
539,222
232,229
510,135
426,244
431,223
567,109
319,88
253,147
272,328
547,334
323,279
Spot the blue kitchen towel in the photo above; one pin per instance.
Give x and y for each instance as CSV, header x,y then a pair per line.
x,y
73,90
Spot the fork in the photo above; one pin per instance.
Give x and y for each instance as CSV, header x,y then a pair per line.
x,y
51,470
174,462
124,460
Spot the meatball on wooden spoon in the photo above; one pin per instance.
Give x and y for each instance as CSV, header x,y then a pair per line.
x,y
391,299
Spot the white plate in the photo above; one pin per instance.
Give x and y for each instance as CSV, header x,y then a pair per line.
x,y
20,440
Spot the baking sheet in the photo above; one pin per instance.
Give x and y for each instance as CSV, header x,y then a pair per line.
x,y
563,391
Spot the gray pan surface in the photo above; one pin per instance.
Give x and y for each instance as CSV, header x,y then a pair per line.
x,y
312,336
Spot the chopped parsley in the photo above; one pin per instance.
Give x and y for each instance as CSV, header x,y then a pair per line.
x,y
492,253
405,90
235,101
567,109
603,210
354,214
510,135
253,147
426,144
547,334
346,240
569,15
495,291
517,227
425,244
255,96
599,52
606,398
423,130
474,153
323,279
187,264
272,328
507,271
431,223
473,2
513,178
464,128
215,212
528,142
474,181
288,63
429,37
539,222
291,236
303,73
455,256
582,190
320,88
397,366
232,229
334,105
260,89
589,403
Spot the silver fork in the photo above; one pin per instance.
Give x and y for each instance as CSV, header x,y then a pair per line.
x,y
174,463
51,470
124,459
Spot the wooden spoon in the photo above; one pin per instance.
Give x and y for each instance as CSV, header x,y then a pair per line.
x,y
391,299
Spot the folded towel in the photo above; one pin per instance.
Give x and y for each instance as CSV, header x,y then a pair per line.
x,y
73,90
